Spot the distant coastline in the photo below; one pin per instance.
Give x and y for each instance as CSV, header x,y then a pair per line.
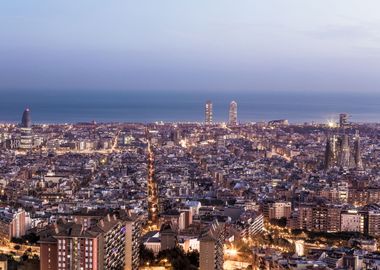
x,y
152,106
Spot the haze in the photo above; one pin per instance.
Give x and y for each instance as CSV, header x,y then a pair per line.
x,y
210,45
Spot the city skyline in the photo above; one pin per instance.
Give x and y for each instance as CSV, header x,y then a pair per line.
x,y
116,106
189,135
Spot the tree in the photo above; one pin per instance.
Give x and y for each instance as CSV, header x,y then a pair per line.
x,y
178,258
146,255
279,222
193,257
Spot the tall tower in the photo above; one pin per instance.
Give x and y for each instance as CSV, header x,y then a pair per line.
x,y
26,121
343,120
208,113
357,154
345,152
232,120
331,152
26,139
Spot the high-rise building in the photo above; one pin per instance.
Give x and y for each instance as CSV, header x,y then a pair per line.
x,y
26,120
343,120
74,246
374,223
211,248
232,120
132,242
70,246
208,113
113,237
12,222
326,218
357,154
26,139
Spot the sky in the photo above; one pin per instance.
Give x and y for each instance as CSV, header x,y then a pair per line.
x,y
193,45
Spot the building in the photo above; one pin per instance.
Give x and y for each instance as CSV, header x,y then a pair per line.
x,y
352,221
211,248
343,120
132,243
113,237
357,154
152,241
251,223
305,217
374,223
26,120
326,218
168,237
70,245
232,120
26,138
208,113
345,153
12,223
331,157
277,210
3,263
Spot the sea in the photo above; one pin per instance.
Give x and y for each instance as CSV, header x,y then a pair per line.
x,y
178,106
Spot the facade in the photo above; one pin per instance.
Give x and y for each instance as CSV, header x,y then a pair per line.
x,y
277,210
345,154
12,223
251,223
26,139
232,120
305,217
26,120
132,243
331,158
74,246
168,237
113,232
208,113
211,248
326,218
79,249
352,221
374,223
48,253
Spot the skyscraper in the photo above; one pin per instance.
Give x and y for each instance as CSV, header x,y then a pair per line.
x,y
343,120
26,121
26,139
232,120
208,113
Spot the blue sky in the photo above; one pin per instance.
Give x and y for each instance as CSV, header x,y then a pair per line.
x,y
210,45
